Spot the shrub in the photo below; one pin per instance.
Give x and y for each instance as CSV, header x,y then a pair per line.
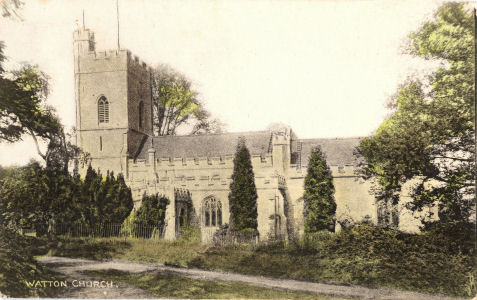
x,y
151,215
17,265
190,233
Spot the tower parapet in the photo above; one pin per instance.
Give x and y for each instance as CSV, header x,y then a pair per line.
x,y
83,41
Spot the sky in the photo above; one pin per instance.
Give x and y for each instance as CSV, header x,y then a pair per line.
x,y
326,68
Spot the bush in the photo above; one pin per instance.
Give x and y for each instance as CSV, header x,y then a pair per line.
x,y
17,265
151,216
190,233
432,261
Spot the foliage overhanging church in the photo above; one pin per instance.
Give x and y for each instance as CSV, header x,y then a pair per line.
x,y
114,121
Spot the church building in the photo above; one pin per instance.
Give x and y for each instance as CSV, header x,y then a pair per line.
x,y
114,116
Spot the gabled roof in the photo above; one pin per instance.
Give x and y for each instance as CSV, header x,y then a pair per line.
x,y
210,145
338,151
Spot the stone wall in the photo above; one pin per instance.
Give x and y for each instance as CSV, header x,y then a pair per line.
x,y
205,177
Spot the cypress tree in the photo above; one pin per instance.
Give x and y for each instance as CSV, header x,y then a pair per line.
x,y
243,193
319,190
105,201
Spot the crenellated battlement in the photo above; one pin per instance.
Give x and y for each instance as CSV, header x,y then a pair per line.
x,y
133,60
190,162
86,53
106,54
136,62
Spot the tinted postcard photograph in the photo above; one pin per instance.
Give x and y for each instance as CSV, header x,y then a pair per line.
x,y
269,149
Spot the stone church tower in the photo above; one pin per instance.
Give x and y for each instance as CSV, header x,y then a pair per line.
x,y
113,103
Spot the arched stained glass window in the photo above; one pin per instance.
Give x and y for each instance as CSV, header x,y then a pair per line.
x,y
103,110
212,212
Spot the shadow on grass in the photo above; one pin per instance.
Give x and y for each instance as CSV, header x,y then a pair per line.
x,y
96,249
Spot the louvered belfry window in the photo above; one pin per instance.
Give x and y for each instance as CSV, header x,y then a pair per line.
x,y
103,110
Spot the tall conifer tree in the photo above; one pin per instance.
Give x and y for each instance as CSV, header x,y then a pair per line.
x,y
319,190
243,193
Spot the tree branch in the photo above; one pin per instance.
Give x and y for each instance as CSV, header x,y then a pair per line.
x,y
37,144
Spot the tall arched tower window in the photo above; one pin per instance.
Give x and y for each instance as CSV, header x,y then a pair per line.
x,y
103,110
141,114
212,212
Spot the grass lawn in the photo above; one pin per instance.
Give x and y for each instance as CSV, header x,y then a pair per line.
x,y
175,286
364,255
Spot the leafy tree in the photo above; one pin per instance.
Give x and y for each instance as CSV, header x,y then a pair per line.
x,y
22,95
33,196
117,203
23,110
89,194
105,200
5,171
175,104
319,190
243,193
151,214
430,135
2,57
45,198
205,125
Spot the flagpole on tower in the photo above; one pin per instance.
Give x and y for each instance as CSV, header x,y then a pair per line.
x,y
117,17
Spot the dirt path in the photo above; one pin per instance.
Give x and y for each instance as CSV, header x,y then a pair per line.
x,y
72,268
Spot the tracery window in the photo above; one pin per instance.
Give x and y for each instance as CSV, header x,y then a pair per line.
x,y
103,110
212,209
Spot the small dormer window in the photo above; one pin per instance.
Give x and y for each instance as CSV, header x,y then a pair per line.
x,y
103,110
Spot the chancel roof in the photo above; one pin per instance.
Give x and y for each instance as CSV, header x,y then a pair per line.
x,y
338,151
208,145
